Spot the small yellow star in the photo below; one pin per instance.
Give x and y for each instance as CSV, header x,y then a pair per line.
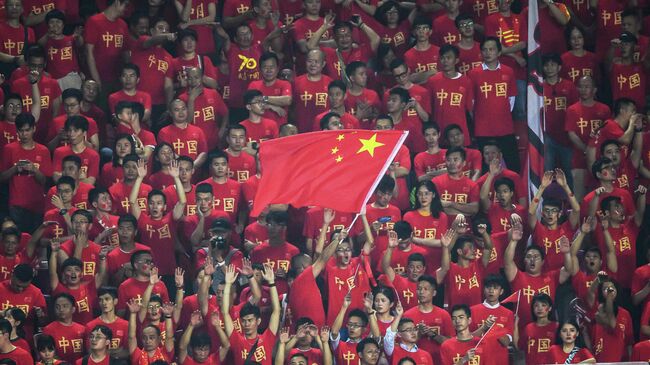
x,y
338,158
340,137
369,145
335,150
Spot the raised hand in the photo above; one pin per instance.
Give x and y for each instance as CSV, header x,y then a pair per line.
x,y
328,216
368,301
312,330
142,168
604,222
547,179
268,275
284,335
246,267
168,309
447,238
495,167
56,244
324,334
328,21
393,241
153,277
588,225
196,319
515,219
560,178
489,322
230,274
481,229
133,305
215,321
565,244
57,202
399,310
641,190
516,232
179,277
599,190
173,169
103,252
347,300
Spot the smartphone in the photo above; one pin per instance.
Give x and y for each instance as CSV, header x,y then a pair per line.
x,y
23,162
356,19
385,219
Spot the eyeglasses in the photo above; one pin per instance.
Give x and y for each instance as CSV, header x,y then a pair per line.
x,y
403,74
97,337
343,250
466,24
550,211
409,330
355,325
145,261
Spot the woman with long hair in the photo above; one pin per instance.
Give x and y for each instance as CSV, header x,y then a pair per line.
x,y
577,61
570,346
384,302
163,156
112,172
429,222
612,333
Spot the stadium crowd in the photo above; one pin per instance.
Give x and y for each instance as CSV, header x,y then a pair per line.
x,y
129,168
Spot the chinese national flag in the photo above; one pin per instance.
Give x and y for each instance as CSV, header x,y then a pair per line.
x,y
331,169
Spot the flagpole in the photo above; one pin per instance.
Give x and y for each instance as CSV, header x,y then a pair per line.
x,y
482,337
518,298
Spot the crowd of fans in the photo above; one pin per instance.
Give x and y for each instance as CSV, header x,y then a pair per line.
x,y
129,168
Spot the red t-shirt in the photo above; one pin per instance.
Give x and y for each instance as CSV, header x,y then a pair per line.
x,y
314,222
333,67
276,88
8,133
89,160
610,345
583,121
574,67
469,58
58,124
608,24
241,167
310,98
428,227
262,130
624,195
24,190
399,260
420,61
256,233
205,40
159,236
340,281
546,283
209,112
85,297
499,217
132,288
100,224
505,324
240,346
537,342
452,99
556,99
120,196
244,68
624,238
172,198
109,39
138,356
641,351
89,257
438,318
406,290
462,190
368,97
12,40
227,197
628,81
19,355
558,356
397,38
279,257
49,89
120,328
464,285
68,340
154,63
118,257
492,90
62,56
141,97
444,31
550,241
425,161
203,62
453,349
189,141
639,280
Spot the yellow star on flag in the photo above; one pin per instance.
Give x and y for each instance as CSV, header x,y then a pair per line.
x,y
338,158
369,145
335,150
340,137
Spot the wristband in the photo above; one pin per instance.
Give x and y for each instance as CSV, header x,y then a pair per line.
x,y
536,200
271,285
168,317
63,211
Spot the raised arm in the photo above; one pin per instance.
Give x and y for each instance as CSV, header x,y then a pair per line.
x,y
230,277
314,41
146,296
610,255
328,218
640,204
388,256
223,339
368,301
53,265
516,234
495,169
283,339
179,208
133,197
102,271
134,308
547,179
325,347
274,321
574,216
565,249
179,280
195,321
338,321
586,227
168,310
205,278
445,262
487,244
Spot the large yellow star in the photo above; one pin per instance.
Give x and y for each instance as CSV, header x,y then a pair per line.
x,y
369,145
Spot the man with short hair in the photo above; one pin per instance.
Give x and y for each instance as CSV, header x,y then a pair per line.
x,y
406,281
605,172
398,107
241,156
455,137
107,299
186,139
470,50
121,190
464,346
76,129
625,67
430,163
69,336
277,92
130,78
310,91
336,93
368,351
99,341
134,287
56,133
493,159
362,102
226,191
101,208
19,292
26,165
80,246
258,128
119,267
407,332
495,89
458,193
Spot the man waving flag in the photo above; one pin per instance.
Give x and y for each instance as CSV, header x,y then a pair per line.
x,y
333,169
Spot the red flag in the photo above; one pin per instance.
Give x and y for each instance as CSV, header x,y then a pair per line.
x,y
512,298
332,169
